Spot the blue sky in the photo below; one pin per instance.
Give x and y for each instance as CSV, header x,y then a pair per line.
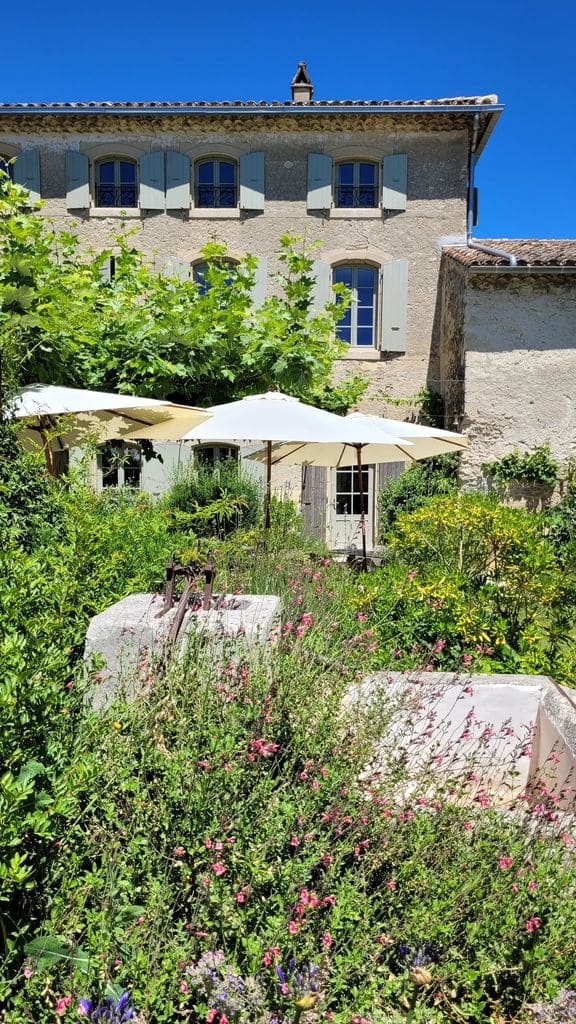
x,y
523,50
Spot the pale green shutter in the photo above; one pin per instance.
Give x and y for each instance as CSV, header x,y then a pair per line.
x,y
27,172
319,182
77,181
260,282
105,269
252,181
152,181
173,266
394,281
395,181
322,285
177,181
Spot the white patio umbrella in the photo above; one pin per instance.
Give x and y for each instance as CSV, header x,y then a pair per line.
x,y
275,417
377,440
84,414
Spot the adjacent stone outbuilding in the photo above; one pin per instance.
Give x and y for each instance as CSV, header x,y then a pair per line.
x,y
508,349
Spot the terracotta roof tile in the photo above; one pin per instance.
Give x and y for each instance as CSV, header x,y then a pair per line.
x,y
530,252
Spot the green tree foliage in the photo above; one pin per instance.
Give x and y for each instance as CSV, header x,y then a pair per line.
x,y
146,331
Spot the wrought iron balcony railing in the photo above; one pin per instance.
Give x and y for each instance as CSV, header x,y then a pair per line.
x,y
118,196
216,195
363,196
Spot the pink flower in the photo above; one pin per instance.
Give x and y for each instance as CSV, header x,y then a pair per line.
x,y
505,862
514,887
329,901
211,1015
391,884
361,616
532,924
294,841
532,885
218,868
412,574
293,927
178,851
218,845
327,940
241,894
205,765
467,825
184,988
466,659
272,951
208,844
62,1005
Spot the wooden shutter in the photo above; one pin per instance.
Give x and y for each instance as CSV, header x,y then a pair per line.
x,y
177,181
388,471
323,284
260,282
77,180
394,301
314,500
252,181
319,195
173,266
152,181
395,181
27,172
106,269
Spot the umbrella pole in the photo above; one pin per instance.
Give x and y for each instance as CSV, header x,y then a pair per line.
x,y
46,446
268,485
362,506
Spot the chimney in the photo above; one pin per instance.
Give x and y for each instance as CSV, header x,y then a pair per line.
x,y
302,90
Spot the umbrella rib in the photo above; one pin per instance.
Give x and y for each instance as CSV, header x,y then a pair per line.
x,y
287,455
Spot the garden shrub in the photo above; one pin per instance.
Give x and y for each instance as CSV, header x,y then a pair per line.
x,y
28,497
223,834
475,583
414,487
230,495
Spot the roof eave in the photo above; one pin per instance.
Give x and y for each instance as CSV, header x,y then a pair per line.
x,y
551,268
299,109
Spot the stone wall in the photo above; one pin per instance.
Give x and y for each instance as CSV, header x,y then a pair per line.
x,y
520,366
437,174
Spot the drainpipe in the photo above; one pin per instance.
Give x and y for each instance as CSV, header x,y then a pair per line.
x,y
470,242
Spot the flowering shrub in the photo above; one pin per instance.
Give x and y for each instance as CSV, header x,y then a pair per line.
x,y
241,846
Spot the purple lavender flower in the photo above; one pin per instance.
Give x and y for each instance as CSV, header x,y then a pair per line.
x,y
108,1010
299,984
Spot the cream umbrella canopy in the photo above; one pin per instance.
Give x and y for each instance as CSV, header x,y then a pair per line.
x,y
375,440
90,414
272,418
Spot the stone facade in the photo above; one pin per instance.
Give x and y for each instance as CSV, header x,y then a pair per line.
x,y
508,360
434,138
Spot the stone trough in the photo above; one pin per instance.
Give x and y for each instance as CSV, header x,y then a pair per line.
x,y
127,639
505,736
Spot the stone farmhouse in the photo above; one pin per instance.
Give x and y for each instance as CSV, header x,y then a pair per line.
x,y
387,188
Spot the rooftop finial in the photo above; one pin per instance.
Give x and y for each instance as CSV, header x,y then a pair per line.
x,y
302,90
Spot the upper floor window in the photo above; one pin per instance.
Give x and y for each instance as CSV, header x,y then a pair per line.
x,y
356,184
7,166
116,183
358,325
216,183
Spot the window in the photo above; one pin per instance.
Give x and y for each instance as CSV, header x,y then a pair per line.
x,y
120,464
210,454
358,325
116,183
356,184
348,501
6,166
216,184
199,273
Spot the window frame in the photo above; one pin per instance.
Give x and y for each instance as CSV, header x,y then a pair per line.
x,y
124,449
116,159
215,159
216,448
356,161
355,266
